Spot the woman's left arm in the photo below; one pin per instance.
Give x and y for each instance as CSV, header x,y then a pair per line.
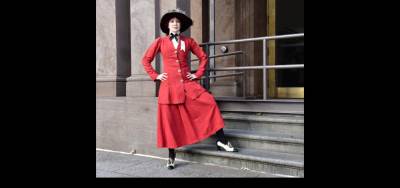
x,y
198,51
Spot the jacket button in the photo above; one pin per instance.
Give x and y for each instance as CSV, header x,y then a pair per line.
x,y
179,70
177,61
181,80
176,51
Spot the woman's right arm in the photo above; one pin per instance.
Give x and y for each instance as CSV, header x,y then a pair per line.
x,y
148,57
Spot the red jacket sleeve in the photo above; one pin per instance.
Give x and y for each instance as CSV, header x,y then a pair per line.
x,y
198,51
148,57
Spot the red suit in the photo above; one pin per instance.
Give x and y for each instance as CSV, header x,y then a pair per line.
x,y
187,113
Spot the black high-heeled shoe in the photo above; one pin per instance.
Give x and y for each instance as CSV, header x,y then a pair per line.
x,y
171,164
226,147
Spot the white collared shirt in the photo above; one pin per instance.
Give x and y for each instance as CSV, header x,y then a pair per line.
x,y
175,43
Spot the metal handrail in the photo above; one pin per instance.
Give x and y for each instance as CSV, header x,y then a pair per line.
x,y
259,67
224,75
264,66
222,55
254,39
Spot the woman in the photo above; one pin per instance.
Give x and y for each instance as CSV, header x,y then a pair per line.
x,y
187,113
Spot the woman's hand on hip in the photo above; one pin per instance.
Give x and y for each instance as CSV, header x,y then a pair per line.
x,y
191,76
162,76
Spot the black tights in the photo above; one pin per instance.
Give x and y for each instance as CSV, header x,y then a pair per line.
x,y
171,153
220,137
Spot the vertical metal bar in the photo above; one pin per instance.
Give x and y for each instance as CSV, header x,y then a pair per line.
x,y
264,69
207,73
243,76
212,34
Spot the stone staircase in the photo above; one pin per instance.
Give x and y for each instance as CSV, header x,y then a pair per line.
x,y
269,136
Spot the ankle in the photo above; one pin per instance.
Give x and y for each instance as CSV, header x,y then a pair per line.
x,y
223,141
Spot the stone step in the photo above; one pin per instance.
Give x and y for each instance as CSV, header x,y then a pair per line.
x,y
264,117
277,163
268,106
261,140
270,123
250,99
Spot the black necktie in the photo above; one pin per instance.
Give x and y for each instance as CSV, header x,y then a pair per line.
x,y
171,36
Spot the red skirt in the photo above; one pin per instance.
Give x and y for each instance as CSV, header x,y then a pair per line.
x,y
183,124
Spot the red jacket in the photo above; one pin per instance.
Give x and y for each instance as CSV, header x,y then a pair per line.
x,y
176,87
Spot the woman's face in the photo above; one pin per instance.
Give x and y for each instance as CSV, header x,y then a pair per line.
x,y
174,25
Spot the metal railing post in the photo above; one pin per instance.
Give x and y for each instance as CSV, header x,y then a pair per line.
x,y
265,83
207,72
244,85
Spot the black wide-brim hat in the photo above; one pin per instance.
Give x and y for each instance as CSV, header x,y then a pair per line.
x,y
186,22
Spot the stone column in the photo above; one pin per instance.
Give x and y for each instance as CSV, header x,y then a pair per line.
x,y
106,57
250,18
142,35
225,30
145,17
112,50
